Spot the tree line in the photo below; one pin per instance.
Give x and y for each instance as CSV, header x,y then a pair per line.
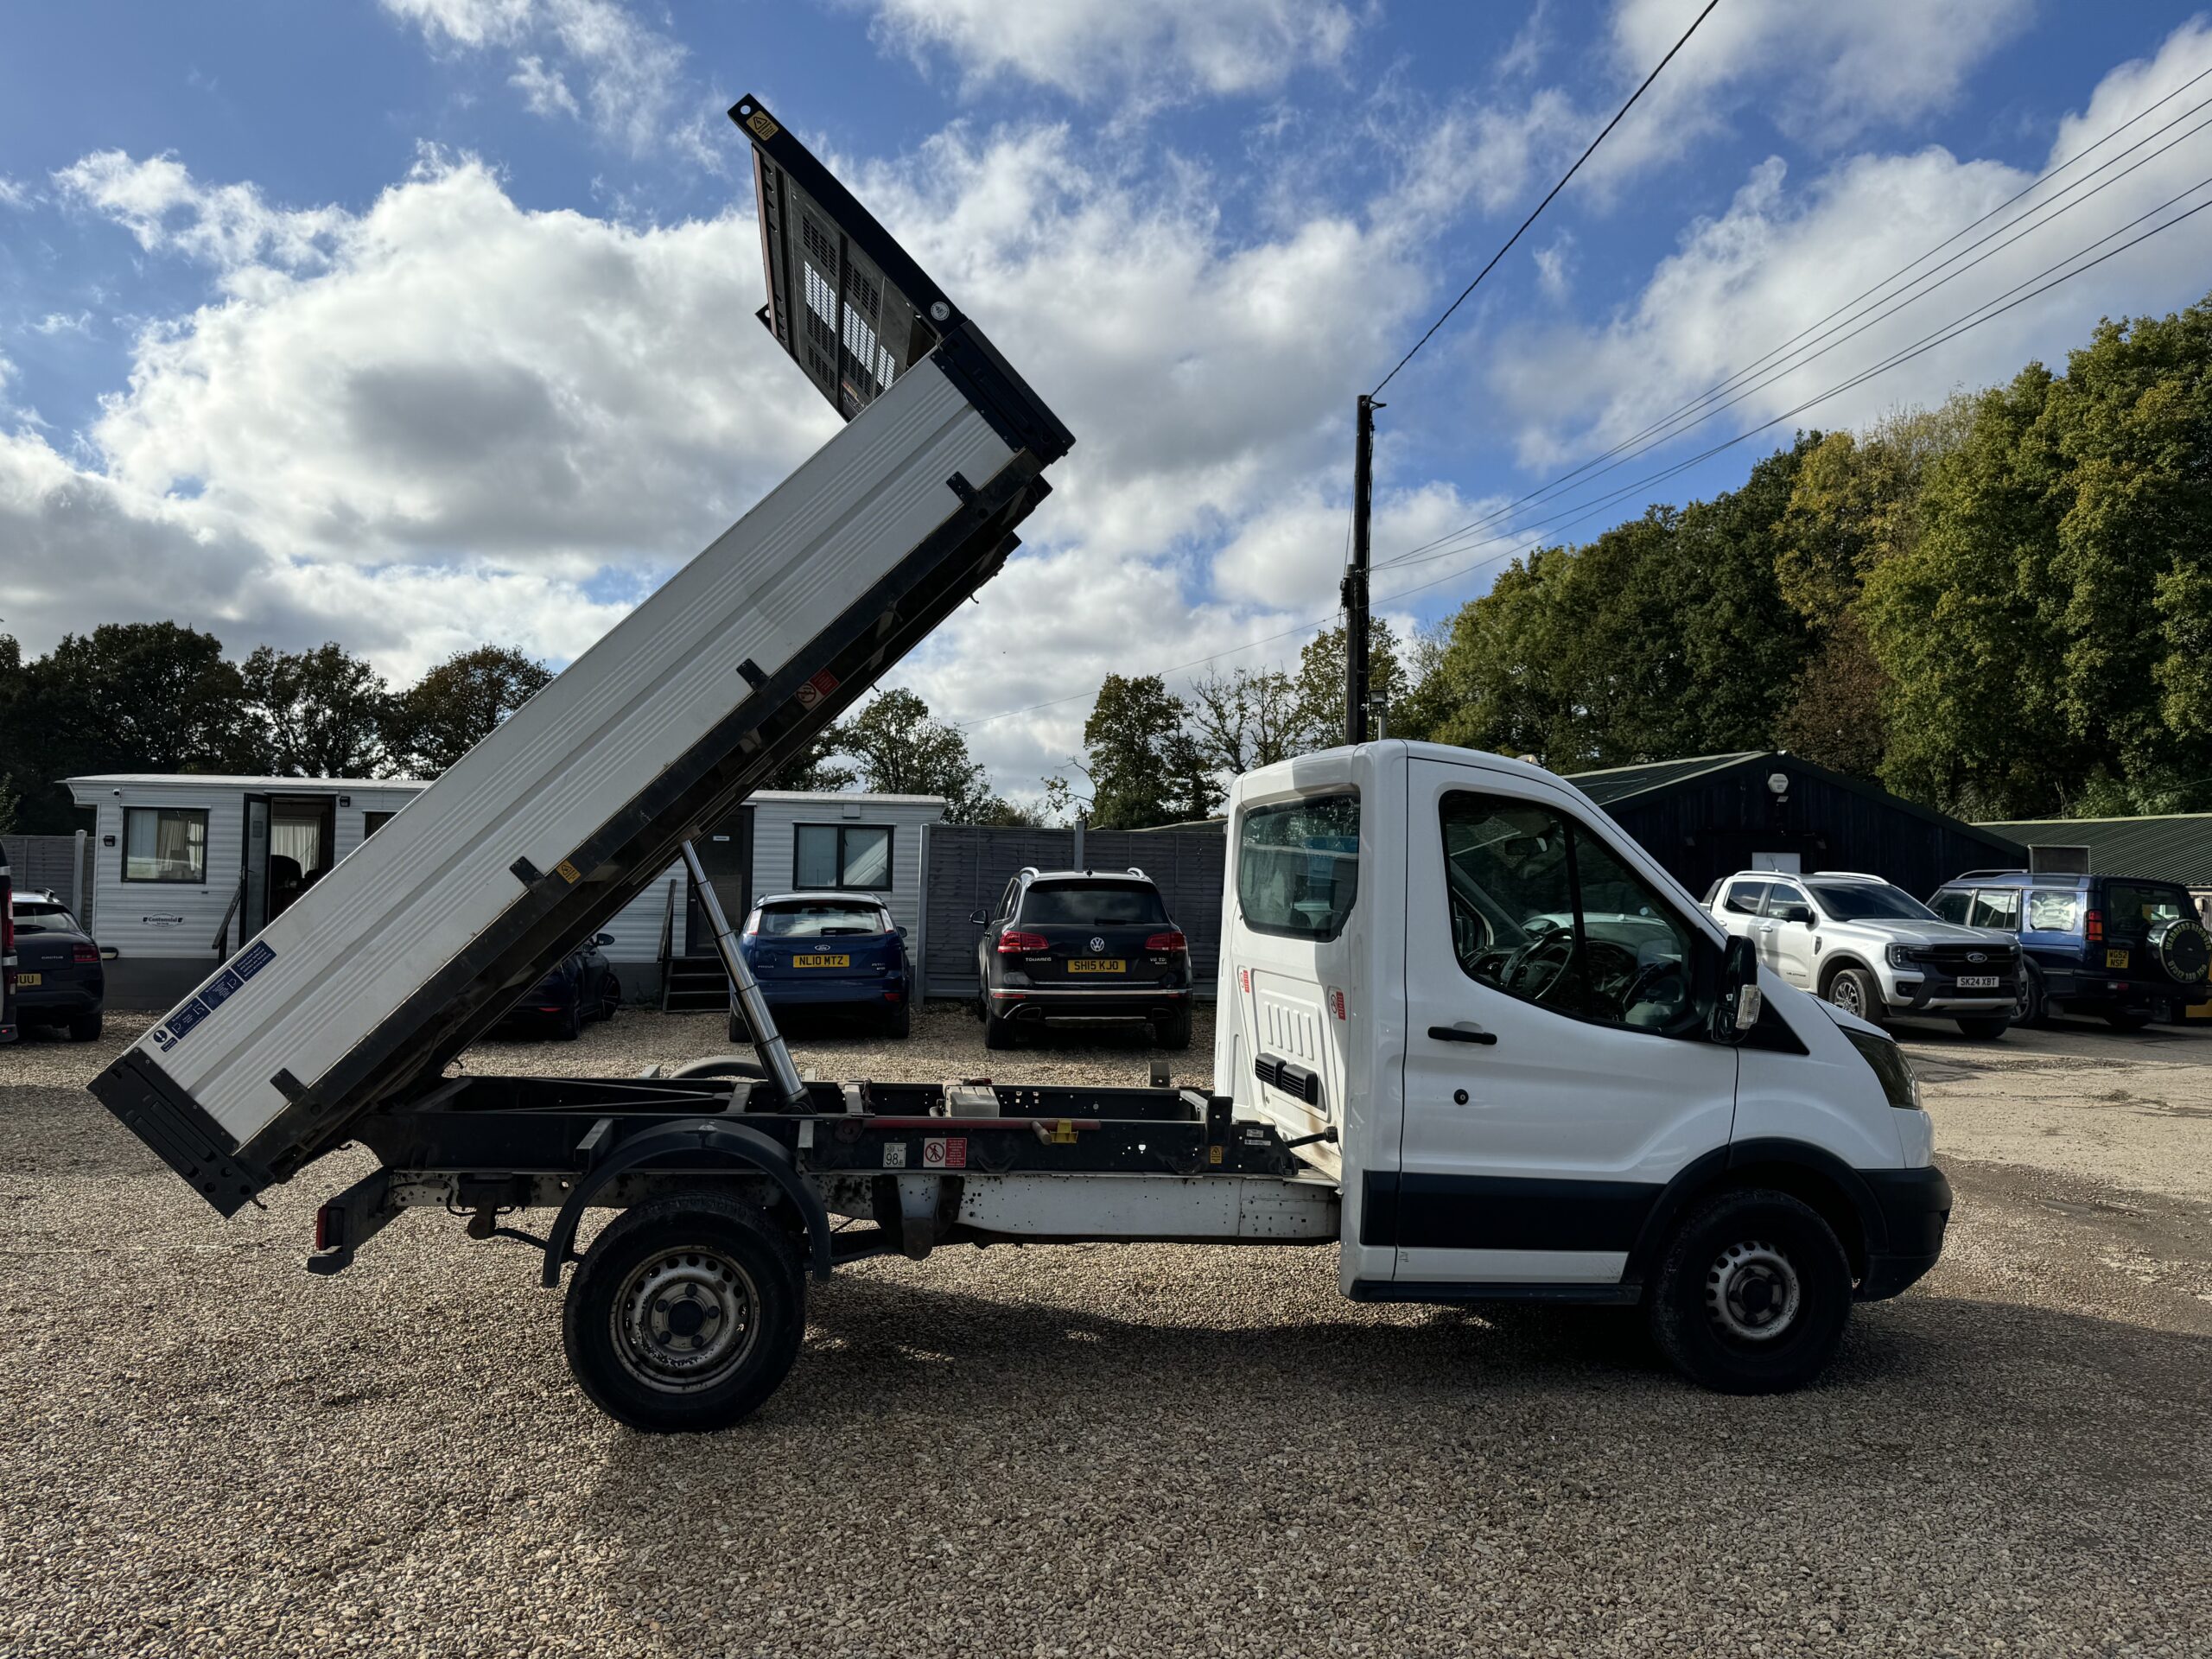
x,y
2001,607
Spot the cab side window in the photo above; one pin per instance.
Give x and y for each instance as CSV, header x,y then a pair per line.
x,y
1745,898
1781,896
1996,907
1545,912
1951,904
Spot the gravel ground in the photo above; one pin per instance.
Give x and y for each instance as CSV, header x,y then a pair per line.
x,y
1131,1450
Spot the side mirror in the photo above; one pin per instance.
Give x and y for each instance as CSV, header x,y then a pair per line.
x,y
602,938
1797,913
1736,1006
902,932
976,919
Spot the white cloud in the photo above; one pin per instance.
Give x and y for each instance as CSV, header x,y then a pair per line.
x,y
1555,266
1823,74
635,84
229,225
62,322
14,193
1104,48
1781,258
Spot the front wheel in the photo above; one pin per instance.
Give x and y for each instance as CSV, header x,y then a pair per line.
x,y
572,1023
2029,1007
84,1030
1854,991
1985,1027
685,1316
1752,1293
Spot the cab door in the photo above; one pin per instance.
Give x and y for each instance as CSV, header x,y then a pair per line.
x,y
1556,1072
1786,934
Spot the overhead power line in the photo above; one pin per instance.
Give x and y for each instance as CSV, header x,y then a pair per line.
x,y
1658,431
1548,194
1989,310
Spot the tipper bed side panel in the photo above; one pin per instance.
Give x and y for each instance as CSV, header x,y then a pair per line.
x,y
376,977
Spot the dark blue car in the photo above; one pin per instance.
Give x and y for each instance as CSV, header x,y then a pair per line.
x,y
2120,946
59,978
828,950
583,985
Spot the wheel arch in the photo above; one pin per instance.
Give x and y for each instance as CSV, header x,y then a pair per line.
x,y
1836,962
1811,1174
743,1147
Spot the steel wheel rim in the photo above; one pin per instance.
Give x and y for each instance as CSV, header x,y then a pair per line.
x,y
684,1319
1845,994
1753,1293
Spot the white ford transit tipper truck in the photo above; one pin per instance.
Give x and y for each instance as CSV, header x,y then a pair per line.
x,y
1468,1031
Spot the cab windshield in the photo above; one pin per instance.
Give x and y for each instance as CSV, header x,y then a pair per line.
x,y
1868,901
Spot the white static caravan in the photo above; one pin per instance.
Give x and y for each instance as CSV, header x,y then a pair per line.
x,y
185,861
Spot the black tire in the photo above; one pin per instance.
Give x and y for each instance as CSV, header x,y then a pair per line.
x,y
703,1253
2120,1020
997,1033
2029,1007
85,1029
1985,1027
1174,1032
572,1024
899,1023
1856,991
1716,1285
739,1031
723,1065
610,997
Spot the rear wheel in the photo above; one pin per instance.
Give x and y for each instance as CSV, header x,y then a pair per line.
x,y
1985,1027
997,1033
84,1029
1854,990
1752,1295
2029,1007
1173,1032
2121,1020
685,1315
572,1023
610,997
899,1022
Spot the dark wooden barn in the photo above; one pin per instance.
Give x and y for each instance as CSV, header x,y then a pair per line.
x,y
1708,816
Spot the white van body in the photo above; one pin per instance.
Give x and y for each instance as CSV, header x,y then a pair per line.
x,y
1538,1158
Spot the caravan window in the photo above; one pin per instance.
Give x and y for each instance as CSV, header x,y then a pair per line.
x,y
841,855
1298,867
165,844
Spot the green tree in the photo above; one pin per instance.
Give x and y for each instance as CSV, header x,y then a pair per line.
x,y
1252,717
1320,708
9,803
1145,768
898,750
315,714
454,707
815,767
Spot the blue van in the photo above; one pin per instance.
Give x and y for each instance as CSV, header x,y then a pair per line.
x,y
2120,946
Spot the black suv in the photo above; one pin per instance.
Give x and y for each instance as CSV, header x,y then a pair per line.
x,y
1082,947
2117,945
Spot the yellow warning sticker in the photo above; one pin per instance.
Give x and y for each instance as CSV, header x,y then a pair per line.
x,y
568,873
761,124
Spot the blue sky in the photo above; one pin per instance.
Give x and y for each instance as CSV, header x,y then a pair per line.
x,y
419,322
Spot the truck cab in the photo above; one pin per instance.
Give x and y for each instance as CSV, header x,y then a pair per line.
x,y
1492,1016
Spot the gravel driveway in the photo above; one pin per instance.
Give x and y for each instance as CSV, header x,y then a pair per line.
x,y
1133,1450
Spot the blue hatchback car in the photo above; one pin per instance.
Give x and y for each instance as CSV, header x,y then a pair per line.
x,y
2125,948
828,950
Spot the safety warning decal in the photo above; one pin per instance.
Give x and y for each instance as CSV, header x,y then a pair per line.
x,y
815,688
944,1152
212,995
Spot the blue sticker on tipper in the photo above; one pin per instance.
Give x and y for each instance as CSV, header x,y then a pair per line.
x,y
212,995
217,990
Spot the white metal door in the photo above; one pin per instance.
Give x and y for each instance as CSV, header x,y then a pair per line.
x,y
1554,1073
1788,945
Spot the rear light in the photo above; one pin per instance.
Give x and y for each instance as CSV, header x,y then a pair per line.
x,y
891,996
85,954
2095,922
1013,944
329,1226
1170,940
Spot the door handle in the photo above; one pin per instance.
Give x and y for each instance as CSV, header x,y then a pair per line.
x,y
1464,1034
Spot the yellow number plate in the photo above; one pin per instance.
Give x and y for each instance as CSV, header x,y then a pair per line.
x,y
1098,965
30,979
821,962
2115,958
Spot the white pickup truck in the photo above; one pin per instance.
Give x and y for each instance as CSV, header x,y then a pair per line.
x,y
1468,1031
